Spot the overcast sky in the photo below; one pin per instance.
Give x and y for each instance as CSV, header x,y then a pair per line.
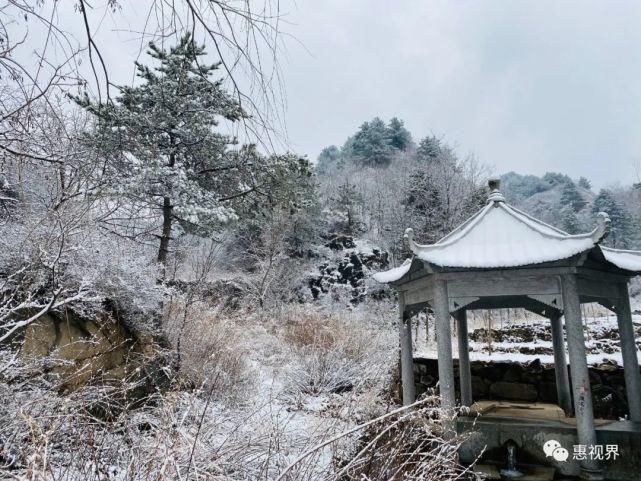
x,y
529,86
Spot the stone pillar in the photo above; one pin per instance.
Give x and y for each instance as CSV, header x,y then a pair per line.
x,y
629,353
444,346
465,374
580,377
407,357
560,364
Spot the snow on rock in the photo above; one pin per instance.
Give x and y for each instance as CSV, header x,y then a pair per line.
x,y
346,268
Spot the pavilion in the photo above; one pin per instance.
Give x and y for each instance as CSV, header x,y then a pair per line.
x,y
503,258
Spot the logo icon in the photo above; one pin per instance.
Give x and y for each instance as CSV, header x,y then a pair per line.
x,y
552,448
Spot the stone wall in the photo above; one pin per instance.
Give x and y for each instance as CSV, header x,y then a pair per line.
x,y
530,382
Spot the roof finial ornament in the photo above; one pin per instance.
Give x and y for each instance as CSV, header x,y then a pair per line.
x,y
603,227
494,184
408,239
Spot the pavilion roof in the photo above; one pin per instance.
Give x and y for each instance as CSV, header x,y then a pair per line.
x,y
501,236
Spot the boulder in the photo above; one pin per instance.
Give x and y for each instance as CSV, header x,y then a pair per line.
x,y
340,242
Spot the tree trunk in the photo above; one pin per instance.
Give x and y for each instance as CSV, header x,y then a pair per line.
x,y
167,213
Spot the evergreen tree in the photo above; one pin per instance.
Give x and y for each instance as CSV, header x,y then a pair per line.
x,y
429,149
425,204
400,137
585,183
621,227
569,220
372,144
328,158
161,146
517,187
555,178
285,214
572,197
347,200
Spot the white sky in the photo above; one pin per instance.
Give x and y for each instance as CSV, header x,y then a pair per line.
x,y
530,86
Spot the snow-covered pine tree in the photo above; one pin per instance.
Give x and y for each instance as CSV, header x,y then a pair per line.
x,y
347,200
429,149
400,137
160,145
584,183
330,157
287,210
570,221
621,228
372,145
570,196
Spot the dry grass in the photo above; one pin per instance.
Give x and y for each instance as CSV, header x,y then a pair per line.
x,y
332,354
305,328
211,351
410,443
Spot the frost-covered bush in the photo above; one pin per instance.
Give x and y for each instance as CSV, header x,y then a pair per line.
x,y
332,354
120,270
209,346
64,257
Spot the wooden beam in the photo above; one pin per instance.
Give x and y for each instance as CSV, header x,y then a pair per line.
x,y
514,273
599,288
502,286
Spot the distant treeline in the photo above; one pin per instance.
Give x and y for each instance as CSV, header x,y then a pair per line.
x,y
381,181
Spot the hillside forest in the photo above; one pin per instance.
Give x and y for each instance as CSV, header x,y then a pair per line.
x,y
179,304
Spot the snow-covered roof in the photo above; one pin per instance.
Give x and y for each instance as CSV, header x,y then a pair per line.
x,y
629,260
393,274
501,236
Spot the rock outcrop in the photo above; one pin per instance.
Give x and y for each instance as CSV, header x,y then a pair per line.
x,y
347,269
78,350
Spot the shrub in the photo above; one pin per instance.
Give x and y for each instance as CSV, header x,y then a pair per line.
x,y
210,350
332,354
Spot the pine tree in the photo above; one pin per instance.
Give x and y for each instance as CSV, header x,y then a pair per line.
x,y
429,149
572,197
287,208
621,227
161,146
569,220
347,200
328,158
372,145
556,178
585,183
400,137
